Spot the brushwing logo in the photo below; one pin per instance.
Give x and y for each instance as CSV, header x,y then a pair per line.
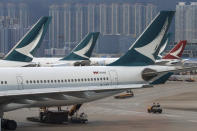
x,y
176,53
162,48
29,47
149,49
85,49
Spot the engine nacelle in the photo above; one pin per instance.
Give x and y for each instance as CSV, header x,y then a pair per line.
x,y
148,74
82,63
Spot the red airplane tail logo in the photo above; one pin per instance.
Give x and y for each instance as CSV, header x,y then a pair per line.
x,y
177,51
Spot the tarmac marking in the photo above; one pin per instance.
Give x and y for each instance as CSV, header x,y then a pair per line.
x,y
193,121
116,111
168,115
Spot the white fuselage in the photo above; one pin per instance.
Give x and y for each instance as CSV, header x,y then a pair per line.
x,y
52,62
169,62
14,79
47,62
7,63
56,61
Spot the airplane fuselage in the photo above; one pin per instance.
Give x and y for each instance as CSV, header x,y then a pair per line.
x,y
41,78
47,62
7,63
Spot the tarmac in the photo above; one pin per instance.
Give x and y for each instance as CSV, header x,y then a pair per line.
x,y
178,100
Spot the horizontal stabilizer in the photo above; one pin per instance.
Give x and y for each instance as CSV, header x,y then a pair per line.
x,y
158,77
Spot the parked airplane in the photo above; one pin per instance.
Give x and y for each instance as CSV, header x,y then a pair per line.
x,y
58,86
22,53
79,59
79,55
74,59
174,56
171,58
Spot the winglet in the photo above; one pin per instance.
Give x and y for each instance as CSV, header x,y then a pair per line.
x,y
84,49
146,48
177,51
24,50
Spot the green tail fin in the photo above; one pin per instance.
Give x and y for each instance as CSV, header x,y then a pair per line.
x,y
84,49
24,50
146,48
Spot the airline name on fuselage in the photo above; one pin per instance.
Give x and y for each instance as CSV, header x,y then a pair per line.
x,y
99,72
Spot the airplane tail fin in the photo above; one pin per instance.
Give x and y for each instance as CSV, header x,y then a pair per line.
x,y
24,50
146,48
166,42
177,51
84,49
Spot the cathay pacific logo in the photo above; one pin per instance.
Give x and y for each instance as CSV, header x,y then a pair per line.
x,y
85,49
163,48
149,49
177,52
29,47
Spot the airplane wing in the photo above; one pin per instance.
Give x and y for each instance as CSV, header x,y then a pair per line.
x,y
35,92
26,97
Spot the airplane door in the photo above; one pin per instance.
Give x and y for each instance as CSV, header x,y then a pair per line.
x,y
20,82
114,77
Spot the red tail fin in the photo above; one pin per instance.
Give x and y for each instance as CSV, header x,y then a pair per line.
x,y
177,51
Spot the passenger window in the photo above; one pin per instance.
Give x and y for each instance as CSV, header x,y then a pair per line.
x,y
40,81
71,80
5,82
27,81
37,81
85,79
78,80
44,81
88,79
97,79
58,81
68,80
104,78
55,81
91,79
107,78
30,81
62,81
1,82
48,81
81,79
51,81
65,80
34,81
101,79
75,80
94,79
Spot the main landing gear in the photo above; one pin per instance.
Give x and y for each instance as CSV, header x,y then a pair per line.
x,y
8,124
74,117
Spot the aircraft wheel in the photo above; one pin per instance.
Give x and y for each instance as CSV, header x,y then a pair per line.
x,y
9,124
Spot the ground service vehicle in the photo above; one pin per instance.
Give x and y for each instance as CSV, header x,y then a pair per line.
x,y
154,109
128,94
